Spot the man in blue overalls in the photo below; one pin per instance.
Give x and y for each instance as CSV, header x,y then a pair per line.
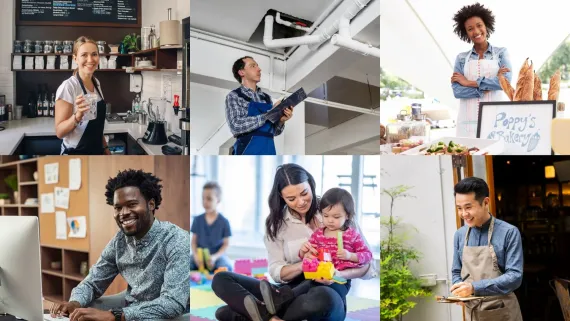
x,y
246,109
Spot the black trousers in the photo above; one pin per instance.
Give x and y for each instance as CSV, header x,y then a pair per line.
x,y
313,301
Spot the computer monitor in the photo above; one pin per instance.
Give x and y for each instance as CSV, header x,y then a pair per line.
x,y
20,271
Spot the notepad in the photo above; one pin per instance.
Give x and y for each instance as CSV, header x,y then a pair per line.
x,y
455,299
275,114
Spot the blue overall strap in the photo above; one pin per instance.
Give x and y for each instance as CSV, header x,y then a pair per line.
x,y
263,95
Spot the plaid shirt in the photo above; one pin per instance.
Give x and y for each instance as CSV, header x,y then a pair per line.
x,y
236,113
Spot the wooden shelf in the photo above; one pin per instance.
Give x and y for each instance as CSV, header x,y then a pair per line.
x,y
66,70
11,205
74,277
64,54
53,272
28,183
29,206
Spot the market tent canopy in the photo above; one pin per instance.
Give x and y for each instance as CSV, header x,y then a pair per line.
x,y
417,42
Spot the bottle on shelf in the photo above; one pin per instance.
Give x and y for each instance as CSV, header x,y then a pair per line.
x,y
31,106
46,105
39,103
152,39
52,106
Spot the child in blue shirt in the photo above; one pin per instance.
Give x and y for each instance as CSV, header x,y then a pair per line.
x,y
211,231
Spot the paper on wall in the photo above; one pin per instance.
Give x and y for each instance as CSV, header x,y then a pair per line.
x,y
77,226
60,225
74,174
61,197
51,173
47,205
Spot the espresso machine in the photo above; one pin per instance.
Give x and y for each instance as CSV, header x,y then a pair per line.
x,y
185,117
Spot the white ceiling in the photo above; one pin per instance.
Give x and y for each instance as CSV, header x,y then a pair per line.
x,y
239,19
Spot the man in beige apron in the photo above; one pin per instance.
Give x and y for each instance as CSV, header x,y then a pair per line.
x,y
481,262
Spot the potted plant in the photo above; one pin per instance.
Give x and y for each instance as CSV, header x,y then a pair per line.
x,y
131,43
398,285
4,199
12,182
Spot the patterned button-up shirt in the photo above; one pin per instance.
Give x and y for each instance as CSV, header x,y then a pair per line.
x,y
156,268
236,112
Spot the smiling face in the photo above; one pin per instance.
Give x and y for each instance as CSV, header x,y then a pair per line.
x,y
87,58
298,197
334,217
133,213
476,30
251,71
470,210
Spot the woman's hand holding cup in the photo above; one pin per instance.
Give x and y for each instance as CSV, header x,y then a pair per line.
x,y
83,106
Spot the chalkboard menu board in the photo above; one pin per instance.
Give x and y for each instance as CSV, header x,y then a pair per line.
x,y
104,13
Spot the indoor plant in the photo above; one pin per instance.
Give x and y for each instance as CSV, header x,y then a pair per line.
x,y
131,42
12,182
398,285
4,199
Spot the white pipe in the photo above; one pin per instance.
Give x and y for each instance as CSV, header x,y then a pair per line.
x,y
233,43
348,43
344,27
350,13
269,42
317,23
289,24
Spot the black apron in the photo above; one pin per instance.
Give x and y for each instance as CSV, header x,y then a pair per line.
x,y
91,142
259,141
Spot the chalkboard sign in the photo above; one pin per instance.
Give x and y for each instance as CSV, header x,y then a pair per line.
x,y
101,13
524,126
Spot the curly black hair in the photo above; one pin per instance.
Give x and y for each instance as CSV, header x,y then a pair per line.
x,y
147,183
470,11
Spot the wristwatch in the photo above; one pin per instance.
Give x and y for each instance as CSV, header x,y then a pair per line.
x,y
76,123
118,313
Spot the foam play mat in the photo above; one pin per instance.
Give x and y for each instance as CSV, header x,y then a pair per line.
x,y
204,303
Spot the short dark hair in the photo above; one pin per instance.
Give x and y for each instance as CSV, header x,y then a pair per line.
x,y
147,183
473,185
470,11
239,65
215,187
342,197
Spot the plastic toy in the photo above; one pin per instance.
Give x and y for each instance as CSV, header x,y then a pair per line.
x,y
321,267
254,268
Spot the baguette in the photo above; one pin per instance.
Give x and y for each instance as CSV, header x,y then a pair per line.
x,y
520,81
554,89
537,91
528,89
506,86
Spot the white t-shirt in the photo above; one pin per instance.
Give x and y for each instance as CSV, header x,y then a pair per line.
x,y
68,92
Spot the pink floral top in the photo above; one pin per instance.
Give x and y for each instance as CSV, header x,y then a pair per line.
x,y
352,241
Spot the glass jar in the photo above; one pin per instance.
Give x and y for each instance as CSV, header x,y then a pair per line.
x,y
58,46
68,47
39,47
48,46
407,127
28,46
101,46
18,46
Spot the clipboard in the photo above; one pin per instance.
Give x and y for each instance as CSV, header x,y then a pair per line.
x,y
455,299
293,100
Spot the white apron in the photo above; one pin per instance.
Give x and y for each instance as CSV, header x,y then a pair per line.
x,y
468,114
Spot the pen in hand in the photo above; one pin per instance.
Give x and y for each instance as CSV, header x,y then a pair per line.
x,y
465,278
